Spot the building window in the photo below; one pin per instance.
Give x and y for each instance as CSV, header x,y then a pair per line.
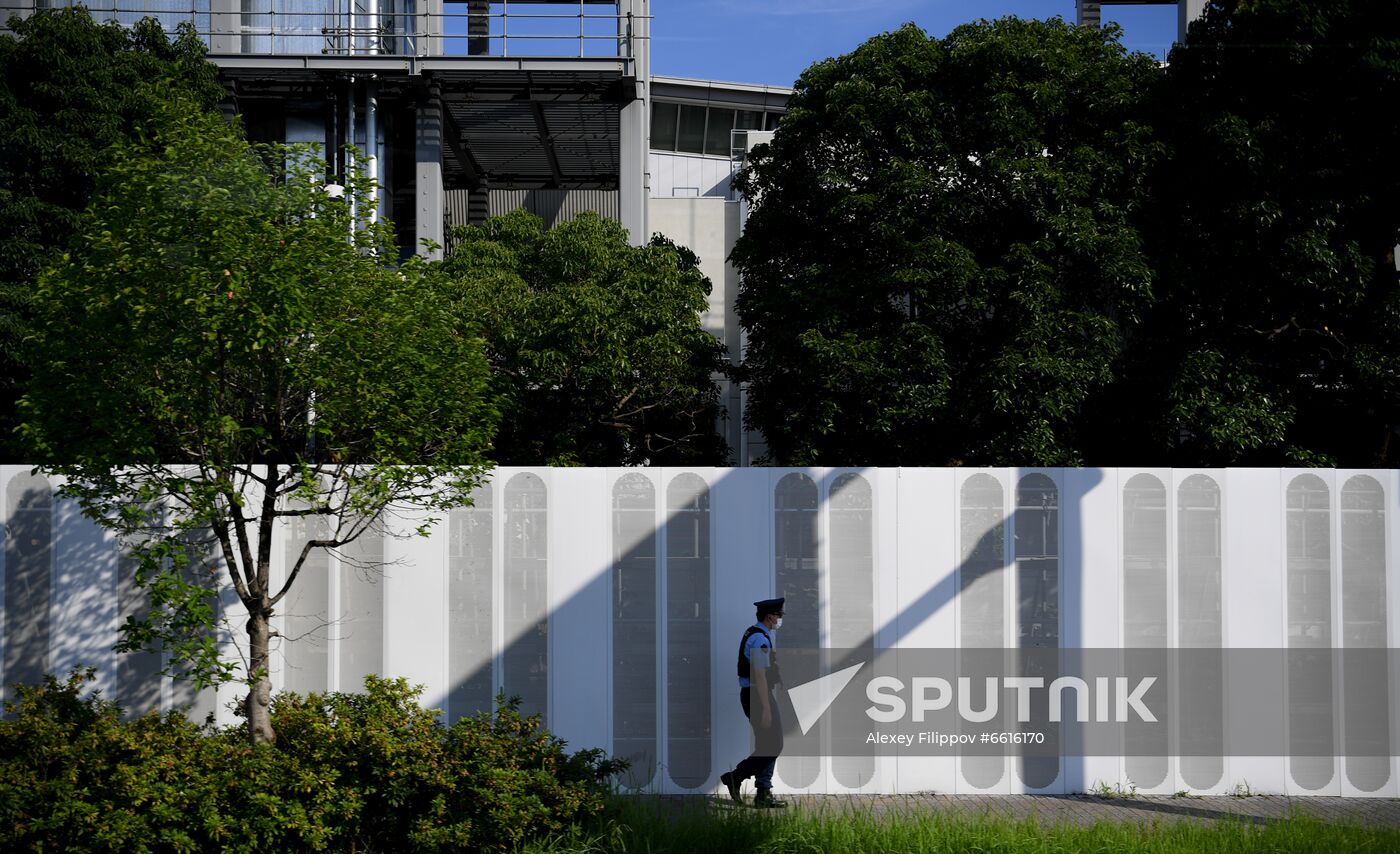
x,y
748,120
717,129
663,126
690,129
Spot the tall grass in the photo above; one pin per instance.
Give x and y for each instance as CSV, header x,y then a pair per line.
x,y
651,826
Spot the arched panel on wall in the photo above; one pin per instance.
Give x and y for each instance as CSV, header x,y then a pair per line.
x,y
981,605
796,578
470,592
205,570
1311,723
1366,684
359,631
29,504
688,631
138,673
634,639
1145,614
525,662
1036,529
1200,632
851,520
306,616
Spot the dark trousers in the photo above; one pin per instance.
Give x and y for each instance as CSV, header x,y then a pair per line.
x,y
767,744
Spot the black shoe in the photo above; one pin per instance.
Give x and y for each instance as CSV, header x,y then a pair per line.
x,y
727,778
765,801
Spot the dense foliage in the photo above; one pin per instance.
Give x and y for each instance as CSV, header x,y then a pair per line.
x,y
1275,337
941,257
243,352
353,772
597,352
70,89
1018,245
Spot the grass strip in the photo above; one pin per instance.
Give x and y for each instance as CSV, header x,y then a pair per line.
x,y
636,825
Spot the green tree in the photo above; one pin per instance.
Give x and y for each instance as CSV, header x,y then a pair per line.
x,y
596,347
224,349
941,258
70,89
1275,339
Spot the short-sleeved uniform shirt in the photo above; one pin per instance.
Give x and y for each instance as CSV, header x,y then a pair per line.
x,y
757,650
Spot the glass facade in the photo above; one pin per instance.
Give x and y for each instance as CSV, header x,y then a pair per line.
x,y
693,129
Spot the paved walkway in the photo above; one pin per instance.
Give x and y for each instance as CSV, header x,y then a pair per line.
x,y
1086,810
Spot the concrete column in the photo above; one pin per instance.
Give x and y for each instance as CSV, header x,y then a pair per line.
x,y
478,27
634,119
224,24
1086,13
430,28
428,203
1187,11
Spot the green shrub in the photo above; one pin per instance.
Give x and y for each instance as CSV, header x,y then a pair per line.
x,y
350,772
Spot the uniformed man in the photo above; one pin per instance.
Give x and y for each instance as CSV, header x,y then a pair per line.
x,y
758,676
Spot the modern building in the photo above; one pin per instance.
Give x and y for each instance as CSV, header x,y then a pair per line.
x,y
475,108
1089,13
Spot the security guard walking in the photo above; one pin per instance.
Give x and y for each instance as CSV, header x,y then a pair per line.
x,y
758,676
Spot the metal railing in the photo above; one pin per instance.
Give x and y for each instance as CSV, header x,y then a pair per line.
x,y
348,28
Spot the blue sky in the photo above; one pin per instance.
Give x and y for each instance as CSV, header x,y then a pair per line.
x,y
772,41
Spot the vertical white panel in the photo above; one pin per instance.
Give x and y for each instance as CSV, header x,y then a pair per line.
x,y
741,508
415,639
580,640
1254,593
84,608
926,588
886,484
359,629
1091,580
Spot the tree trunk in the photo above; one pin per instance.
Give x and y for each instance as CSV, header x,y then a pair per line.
x,y
258,706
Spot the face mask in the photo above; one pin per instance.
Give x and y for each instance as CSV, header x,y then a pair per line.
x,y
779,624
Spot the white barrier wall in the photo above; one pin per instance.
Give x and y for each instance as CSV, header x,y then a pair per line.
x,y
612,601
